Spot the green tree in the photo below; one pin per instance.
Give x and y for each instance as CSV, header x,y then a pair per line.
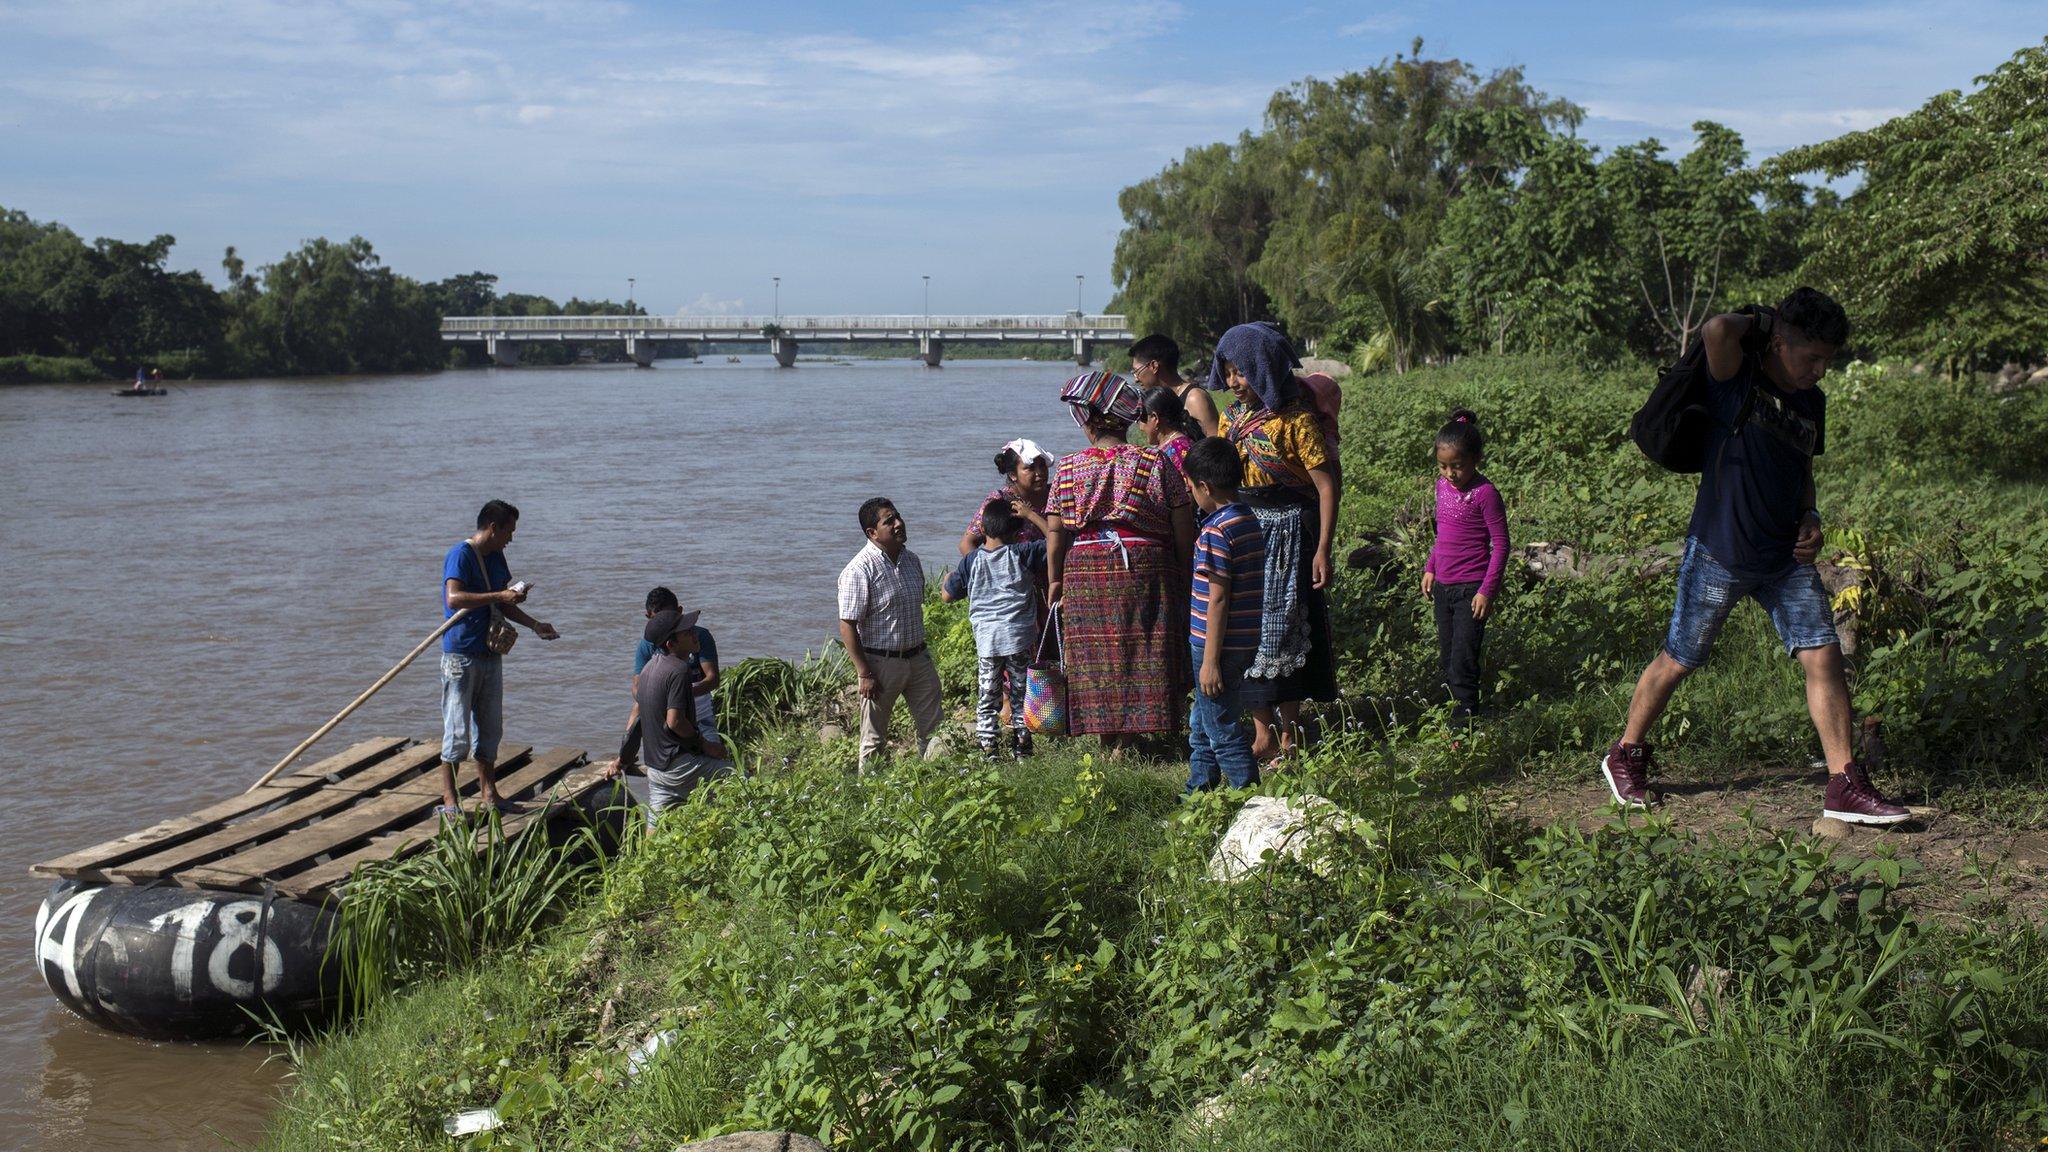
x,y
332,308
1191,235
470,294
1682,229
1372,162
1526,253
1943,249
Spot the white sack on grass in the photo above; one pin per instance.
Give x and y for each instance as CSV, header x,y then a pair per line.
x,y
1277,824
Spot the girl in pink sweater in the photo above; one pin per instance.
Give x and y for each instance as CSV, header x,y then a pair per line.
x,y
1465,565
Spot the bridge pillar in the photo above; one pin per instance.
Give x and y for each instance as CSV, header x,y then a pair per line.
x,y
785,351
504,353
931,349
1084,351
640,350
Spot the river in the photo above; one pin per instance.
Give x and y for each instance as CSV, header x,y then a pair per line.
x,y
193,584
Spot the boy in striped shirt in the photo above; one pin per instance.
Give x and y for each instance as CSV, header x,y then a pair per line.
x,y
1228,598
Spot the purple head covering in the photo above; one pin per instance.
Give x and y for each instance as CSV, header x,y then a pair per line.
x,y
1104,394
1266,359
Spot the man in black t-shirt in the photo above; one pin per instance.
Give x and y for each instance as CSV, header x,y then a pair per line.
x,y
1755,533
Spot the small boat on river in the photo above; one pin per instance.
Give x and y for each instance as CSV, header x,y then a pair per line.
x,y
142,391
198,926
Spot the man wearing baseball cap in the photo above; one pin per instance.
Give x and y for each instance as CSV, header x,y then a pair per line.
x,y
679,755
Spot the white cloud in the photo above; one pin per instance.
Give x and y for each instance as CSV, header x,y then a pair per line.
x,y
709,305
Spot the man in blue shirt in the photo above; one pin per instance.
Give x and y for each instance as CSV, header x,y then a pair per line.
x,y
475,577
703,663
1755,534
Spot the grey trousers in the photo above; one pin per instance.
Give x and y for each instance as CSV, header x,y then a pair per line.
x,y
916,680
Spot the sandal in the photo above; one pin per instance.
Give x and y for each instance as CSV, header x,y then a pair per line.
x,y
504,807
450,812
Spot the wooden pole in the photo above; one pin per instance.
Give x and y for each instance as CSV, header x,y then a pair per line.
x,y
358,702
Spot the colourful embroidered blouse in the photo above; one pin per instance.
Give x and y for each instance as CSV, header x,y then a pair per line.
x,y
1176,452
1277,447
1123,487
1026,532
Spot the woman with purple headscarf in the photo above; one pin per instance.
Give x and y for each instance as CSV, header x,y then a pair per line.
x,y
1290,483
1122,533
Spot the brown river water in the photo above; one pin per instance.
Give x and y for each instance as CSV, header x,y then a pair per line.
x,y
190,585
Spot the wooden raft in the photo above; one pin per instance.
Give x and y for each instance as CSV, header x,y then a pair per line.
x,y
302,834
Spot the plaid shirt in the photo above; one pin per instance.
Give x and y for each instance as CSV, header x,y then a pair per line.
x,y
885,601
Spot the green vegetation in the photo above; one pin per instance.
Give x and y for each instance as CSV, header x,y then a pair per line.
x,y
1417,210
73,311
954,955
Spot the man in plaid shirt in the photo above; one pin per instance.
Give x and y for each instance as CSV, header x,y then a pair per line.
x,y
881,623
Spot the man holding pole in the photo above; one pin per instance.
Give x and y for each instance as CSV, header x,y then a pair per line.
x,y
476,581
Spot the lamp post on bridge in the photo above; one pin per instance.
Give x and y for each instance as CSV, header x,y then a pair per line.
x,y
778,299
1078,282
927,305
629,295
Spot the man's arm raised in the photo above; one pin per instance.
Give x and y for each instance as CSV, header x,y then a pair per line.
x,y
1723,337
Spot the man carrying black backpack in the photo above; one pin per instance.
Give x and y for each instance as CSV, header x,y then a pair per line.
x,y
1755,533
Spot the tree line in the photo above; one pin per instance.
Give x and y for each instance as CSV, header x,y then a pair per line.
x,y
108,307
1420,209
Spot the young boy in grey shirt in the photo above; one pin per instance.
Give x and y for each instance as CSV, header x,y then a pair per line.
x,y
1000,582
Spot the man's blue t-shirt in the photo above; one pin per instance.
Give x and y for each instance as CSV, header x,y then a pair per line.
x,y
467,637
707,649
1753,490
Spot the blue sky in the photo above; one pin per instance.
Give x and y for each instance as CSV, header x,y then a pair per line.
x,y
703,147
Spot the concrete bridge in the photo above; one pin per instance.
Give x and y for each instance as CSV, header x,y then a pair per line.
x,y
501,336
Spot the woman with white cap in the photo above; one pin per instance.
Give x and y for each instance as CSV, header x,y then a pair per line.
x,y
1025,467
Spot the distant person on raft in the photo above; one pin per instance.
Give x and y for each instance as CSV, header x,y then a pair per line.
x,y
474,576
1755,534
881,624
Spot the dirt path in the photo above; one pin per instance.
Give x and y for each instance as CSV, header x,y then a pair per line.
x,y
1971,868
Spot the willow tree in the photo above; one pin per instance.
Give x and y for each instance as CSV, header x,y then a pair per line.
x,y
1371,164
1942,251
1191,235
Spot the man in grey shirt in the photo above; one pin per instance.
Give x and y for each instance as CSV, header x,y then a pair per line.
x,y
679,755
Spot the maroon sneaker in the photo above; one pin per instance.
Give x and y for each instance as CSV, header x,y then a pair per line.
x,y
1852,799
1627,768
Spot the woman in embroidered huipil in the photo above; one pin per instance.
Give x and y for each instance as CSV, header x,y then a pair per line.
x,y
1290,483
1122,531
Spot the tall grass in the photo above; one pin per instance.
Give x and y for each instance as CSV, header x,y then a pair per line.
x,y
469,895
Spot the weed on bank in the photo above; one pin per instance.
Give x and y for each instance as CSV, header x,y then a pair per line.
x,y
959,955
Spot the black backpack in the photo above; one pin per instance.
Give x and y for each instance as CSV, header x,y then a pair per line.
x,y
1673,425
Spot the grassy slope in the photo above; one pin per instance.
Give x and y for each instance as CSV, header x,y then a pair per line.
x,y
952,956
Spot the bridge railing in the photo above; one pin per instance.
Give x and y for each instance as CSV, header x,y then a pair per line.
x,y
1069,321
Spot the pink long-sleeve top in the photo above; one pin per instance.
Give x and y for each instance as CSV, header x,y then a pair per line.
x,y
1471,536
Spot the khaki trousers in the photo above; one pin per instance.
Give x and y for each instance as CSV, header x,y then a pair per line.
x,y
916,680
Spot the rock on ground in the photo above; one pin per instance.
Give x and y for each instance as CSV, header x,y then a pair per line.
x,y
1277,824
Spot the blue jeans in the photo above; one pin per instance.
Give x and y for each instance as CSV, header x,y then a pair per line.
x,y
472,707
1219,748
1798,606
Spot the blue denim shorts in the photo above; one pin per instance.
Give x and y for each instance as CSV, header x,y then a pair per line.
x,y
1797,604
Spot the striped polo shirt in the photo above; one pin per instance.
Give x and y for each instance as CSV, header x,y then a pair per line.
x,y
1232,543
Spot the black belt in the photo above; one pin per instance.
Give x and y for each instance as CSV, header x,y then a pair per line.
x,y
893,653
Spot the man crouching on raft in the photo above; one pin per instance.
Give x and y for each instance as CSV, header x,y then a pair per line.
x,y
1755,533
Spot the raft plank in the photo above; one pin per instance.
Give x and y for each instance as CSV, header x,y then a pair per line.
x,y
95,862
374,815
322,800
405,841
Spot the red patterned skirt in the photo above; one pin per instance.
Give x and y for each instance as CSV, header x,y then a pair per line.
x,y
1125,636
